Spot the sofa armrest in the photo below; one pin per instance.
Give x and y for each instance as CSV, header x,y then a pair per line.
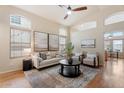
x,y
96,61
36,61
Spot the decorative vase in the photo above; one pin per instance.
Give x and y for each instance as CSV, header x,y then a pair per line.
x,y
70,60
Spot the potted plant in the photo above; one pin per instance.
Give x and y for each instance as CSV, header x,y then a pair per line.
x,y
69,51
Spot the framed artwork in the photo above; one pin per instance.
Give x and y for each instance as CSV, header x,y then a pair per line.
x,y
40,41
88,43
53,42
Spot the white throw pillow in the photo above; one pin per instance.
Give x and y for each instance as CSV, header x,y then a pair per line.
x,y
49,57
53,54
91,55
77,54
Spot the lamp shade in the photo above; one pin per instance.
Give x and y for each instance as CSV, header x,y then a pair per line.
x,y
27,51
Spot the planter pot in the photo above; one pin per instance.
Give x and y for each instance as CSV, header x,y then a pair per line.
x,y
70,60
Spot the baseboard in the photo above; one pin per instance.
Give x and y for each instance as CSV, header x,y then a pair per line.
x,y
10,71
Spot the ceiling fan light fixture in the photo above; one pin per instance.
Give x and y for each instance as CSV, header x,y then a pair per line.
x,y
69,12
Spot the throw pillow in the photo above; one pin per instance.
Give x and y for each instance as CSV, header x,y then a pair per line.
x,y
48,57
43,56
53,54
40,55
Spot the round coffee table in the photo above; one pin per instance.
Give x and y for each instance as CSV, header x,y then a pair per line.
x,y
69,70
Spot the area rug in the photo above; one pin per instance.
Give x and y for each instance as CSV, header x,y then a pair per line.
x,y
50,78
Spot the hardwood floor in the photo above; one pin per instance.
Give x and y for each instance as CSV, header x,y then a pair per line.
x,y
112,75
14,79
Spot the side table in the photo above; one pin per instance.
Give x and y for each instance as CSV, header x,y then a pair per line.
x,y
27,64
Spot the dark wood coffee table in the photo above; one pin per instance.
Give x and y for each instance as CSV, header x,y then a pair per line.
x,y
70,70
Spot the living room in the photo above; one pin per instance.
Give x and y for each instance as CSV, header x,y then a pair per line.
x,y
81,34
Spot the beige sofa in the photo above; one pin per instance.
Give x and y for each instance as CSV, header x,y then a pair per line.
x,y
91,59
52,59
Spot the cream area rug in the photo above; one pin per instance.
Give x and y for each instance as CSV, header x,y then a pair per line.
x,y
50,78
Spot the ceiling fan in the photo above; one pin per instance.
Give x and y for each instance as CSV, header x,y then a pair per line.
x,y
69,9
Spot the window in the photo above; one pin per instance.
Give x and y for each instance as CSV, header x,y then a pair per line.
x,y
118,34
62,32
86,26
115,18
62,39
112,35
118,45
20,43
62,43
107,45
20,21
107,35
20,40
40,41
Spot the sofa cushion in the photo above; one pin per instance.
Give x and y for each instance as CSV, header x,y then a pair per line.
x,y
48,57
77,54
52,60
88,60
91,55
57,56
43,56
53,54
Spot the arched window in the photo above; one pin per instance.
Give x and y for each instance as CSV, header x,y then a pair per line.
x,y
114,18
110,35
86,26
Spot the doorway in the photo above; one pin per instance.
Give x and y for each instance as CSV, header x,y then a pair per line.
x,y
114,45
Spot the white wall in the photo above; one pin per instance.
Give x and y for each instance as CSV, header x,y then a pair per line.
x,y
98,32
41,24
38,24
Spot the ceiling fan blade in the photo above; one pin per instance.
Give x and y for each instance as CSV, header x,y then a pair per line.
x,y
66,16
61,6
80,8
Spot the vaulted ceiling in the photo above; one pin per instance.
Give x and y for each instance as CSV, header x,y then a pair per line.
x,y
56,13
